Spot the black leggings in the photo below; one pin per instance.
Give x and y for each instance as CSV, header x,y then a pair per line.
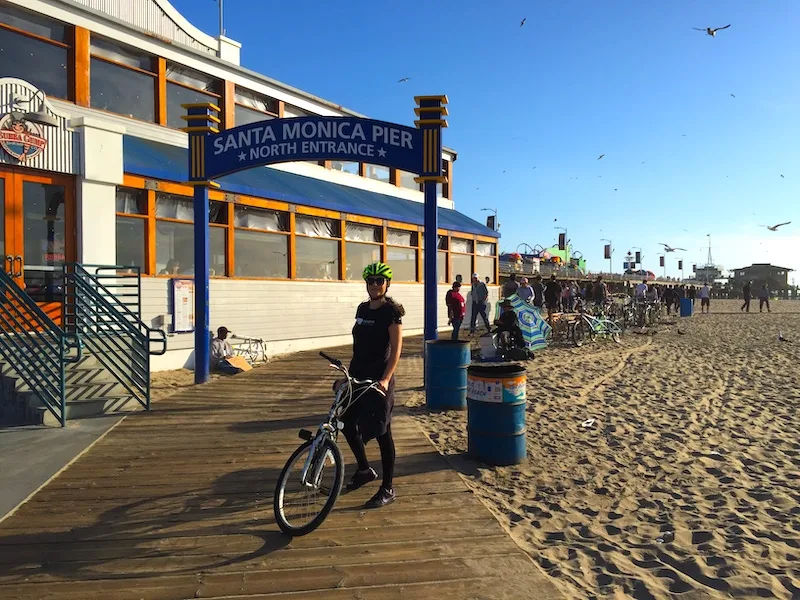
x,y
385,443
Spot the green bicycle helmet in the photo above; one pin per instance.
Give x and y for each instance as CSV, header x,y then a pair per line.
x,y
377,269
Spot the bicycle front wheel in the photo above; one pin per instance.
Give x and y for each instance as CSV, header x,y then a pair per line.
x,y
300,507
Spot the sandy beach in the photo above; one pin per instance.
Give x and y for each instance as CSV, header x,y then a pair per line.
x,y
688,482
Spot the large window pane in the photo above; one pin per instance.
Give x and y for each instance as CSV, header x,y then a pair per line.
x,y
39,63
170,206
441,266
359,256
362,233
175,249
316,227
403,262
122,91
131,201
461,265
260,218
261,254
33,23
407,180
177,95
399,237
121,54
243,115
252,99
458,245
216,247
484,266
317,258
484,249
130,242
345,167
377,172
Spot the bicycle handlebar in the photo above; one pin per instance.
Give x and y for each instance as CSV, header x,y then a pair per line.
x,y
334,361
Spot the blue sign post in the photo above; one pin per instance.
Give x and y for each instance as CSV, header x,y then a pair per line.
x,y
214,153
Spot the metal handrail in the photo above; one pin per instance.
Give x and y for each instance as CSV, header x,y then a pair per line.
x,y
35,347
111,328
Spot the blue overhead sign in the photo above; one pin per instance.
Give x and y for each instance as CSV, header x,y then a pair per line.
x,y
314,139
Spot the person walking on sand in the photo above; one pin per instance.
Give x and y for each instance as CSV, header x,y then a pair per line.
x,y
456,308
525,291
480,293
377,343
763,298
746,296
511,286
538,291
705,299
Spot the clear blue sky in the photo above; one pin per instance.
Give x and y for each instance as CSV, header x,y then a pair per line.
x,y
624,78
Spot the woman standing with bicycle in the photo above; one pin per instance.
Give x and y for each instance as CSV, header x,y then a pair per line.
x,y
377,342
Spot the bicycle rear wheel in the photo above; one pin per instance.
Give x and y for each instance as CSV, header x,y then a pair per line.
x,y
301,508
578,332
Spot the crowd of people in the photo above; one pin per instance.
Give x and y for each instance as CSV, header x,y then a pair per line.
x,y
565,296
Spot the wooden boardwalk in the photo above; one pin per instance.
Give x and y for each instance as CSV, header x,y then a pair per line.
x,y
177,503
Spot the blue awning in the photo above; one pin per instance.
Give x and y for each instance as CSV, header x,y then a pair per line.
x,y
170,163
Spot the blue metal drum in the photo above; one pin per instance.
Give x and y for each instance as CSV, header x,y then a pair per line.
x,y
496,406
446,363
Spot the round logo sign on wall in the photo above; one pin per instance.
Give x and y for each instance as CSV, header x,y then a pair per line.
x,y
20,138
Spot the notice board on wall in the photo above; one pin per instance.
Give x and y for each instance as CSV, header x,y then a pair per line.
x,y
182,305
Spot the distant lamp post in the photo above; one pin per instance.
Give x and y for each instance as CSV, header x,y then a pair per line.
x,y
491,222
608,251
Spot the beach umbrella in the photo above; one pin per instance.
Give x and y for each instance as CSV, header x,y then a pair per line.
x,y
531,322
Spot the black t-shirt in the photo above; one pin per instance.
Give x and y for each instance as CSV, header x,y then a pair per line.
x,y
371,344
552,292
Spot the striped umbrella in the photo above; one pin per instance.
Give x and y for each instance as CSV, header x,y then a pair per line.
x,y
534,327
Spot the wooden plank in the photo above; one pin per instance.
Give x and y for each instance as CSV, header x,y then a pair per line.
x,y
435,571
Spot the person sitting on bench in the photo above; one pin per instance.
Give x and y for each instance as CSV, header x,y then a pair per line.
x,y
221,351
508,323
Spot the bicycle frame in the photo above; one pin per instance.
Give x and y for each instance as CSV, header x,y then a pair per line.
x,y
345,397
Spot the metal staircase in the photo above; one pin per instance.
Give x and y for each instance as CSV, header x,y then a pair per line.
x,y
99,362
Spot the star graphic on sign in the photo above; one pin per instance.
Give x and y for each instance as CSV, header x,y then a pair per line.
x,y
381,152
242,156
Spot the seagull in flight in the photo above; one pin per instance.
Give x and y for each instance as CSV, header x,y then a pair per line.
x,y
733,95
775,227
601,156
521,23
668,248
404,79
710,31
782,177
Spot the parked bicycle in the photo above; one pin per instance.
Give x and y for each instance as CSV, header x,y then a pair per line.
x,y
594,327
304,497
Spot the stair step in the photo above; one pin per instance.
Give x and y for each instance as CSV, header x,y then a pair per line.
x,y
77,409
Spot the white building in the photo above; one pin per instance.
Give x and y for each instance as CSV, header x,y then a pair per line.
x,y
103,184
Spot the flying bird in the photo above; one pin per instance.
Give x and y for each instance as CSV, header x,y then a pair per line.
x,y
668,248
601,156
404,79
775,227
521,23
711,32
782,177
733,95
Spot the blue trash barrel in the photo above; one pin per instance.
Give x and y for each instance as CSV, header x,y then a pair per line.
x,y
446,363
496,404
686,307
